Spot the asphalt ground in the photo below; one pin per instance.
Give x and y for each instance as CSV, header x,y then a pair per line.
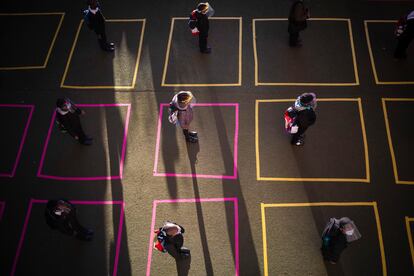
x,y
250,202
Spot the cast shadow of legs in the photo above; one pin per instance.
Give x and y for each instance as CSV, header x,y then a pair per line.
x,y
192,150
232,188
183,264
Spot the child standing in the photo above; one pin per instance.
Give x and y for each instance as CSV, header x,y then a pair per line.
x,y
181,114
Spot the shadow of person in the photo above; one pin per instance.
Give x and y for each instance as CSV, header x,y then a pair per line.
x,y
183,264
192,150
334,269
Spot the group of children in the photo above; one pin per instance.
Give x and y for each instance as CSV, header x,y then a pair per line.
x,y
61,215
298,118
338,233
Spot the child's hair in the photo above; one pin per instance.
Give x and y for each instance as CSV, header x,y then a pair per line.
x,y
184,98
60,102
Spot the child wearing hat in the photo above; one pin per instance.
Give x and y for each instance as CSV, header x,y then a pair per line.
x,y
181,114
304,116
68,120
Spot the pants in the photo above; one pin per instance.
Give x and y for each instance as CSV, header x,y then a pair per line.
x,y
103,42
68,226
299,134
402,45
293,38
202,41
293,29
183,264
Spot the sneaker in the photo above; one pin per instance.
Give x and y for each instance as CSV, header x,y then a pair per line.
x,y
87,142
206,51
191,139
299,142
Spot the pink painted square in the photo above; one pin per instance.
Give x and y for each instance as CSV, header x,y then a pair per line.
x,y
193,227
7,144
57,163
214,156
54,239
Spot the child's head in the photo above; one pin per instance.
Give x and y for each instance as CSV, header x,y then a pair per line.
x,y
62,104
203,7
184,97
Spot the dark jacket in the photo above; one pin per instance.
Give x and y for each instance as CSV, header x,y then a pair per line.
x,y
305,118
409,30
297,17
66,222
71,122
177,241
333,243
202,23
97,22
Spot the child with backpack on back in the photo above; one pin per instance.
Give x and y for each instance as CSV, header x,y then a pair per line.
x,y
299,117
169,238
199,25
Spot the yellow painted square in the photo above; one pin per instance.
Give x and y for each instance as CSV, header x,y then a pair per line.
x,y
371,55
49,51
389,137
409,220
310,204
133,81
167,57
256,60
364,138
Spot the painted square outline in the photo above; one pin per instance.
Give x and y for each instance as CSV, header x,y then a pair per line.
x,y
256,60
43,66
2,208
134,79
194,200
371,55
408,220
235,145
310,204
79,202
389,138
23,138
87,178
167,57
311,179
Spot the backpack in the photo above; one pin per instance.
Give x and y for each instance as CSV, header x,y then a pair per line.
x,y
400,27
327,231
161,238
173,114
290,121
192,23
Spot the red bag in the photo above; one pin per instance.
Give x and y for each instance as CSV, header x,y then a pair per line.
x,y
290,125
192,23
400,27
